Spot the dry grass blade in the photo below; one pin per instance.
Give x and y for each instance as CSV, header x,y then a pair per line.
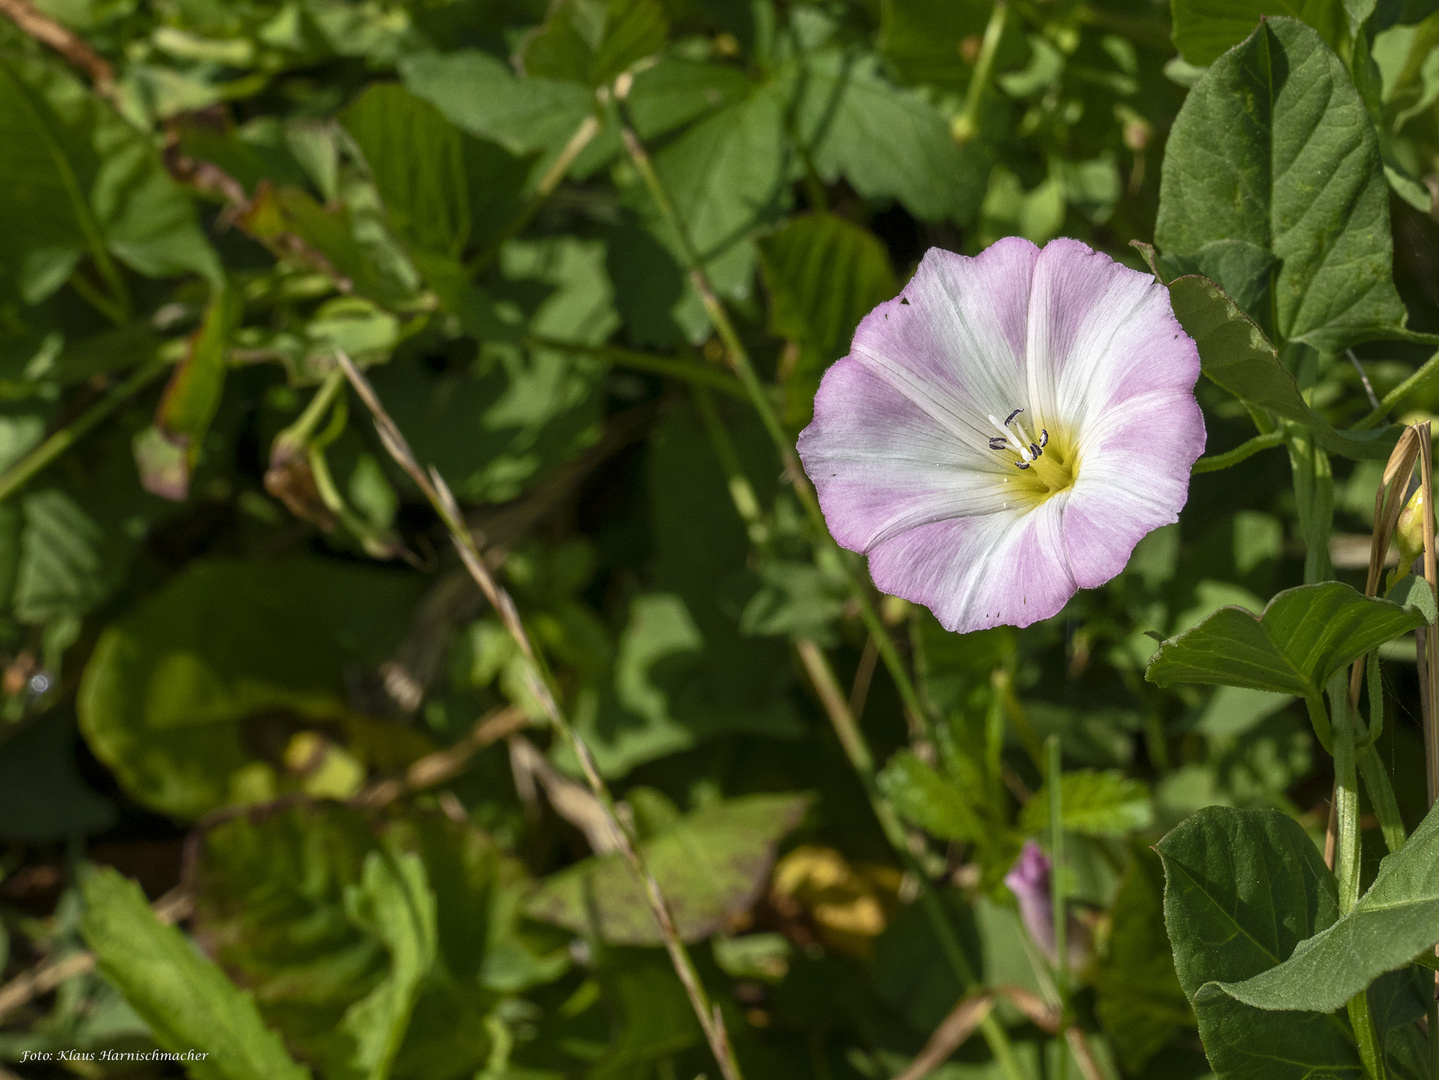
x,y
953,1030
1388,504
1431,653
438,493
73,48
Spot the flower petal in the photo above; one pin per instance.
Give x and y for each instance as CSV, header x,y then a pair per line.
x,y
953,341
1135,462
978,572
881,464
1100,333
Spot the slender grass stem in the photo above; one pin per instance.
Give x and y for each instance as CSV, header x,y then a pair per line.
x,y
993,1032
759,397
21,472
1398,394
1242,452
846,729
670,367
537,680
1055,783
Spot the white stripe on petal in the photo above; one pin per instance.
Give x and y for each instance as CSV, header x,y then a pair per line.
x,y
973,573
953,342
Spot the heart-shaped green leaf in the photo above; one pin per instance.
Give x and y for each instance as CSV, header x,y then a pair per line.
x,y
1303,637
1396,920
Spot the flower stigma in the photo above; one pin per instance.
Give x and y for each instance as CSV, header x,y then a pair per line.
x,y
1046,465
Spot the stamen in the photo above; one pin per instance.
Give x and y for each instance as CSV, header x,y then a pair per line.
x,y
998,443
1034,450
1043,439
1021,464
1010,418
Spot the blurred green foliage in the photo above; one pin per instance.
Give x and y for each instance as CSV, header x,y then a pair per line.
x,y
241,662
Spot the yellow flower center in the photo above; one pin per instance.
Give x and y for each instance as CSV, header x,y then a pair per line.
x,y
1044,464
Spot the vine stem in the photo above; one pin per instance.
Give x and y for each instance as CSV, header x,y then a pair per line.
x,y
20,473
846,728
438,493
966,124
739,361
1347,861
816,664
1055,778
1242,452
1398,394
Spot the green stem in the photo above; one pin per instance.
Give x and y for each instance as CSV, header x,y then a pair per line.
x,y
16,477
103,303
966,124
1242,452
993,1032
742,493
1055,783
1348,855
669,367
862,761
1346,793
759,398
299,433
1398,394
586,131
1432,1013
1314,498
1381,795
1371,1051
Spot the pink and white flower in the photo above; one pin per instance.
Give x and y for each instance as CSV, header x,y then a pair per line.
x,y
1006,430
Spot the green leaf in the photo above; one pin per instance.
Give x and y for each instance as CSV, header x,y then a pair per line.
x,y
481,95
887,142
328,241
444,190
918,39
1206,29
931,801
726,177
192,396
1235,354
311,907
80,180
1412,591
1094,803
1242,889
495,427
180,687
674,92
592,41
683,671
393,903
186,999
1138,999
1303,636
1395,921
710,865
823,276
63,569
1274,146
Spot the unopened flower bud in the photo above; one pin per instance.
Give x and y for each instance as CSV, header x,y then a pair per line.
x,y
1409,533
1029,880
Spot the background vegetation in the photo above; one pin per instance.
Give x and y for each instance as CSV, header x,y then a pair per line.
x,y
245,666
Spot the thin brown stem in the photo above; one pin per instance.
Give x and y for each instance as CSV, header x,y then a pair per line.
x,y
817,666
435,489
863,675
65,42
